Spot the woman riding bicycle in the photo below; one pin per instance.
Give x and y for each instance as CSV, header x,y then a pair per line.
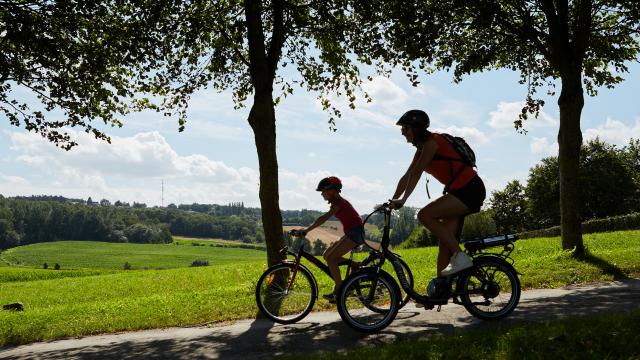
x,y
330,188
464,191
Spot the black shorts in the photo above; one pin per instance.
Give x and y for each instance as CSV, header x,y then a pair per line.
x,y
356,234
472,194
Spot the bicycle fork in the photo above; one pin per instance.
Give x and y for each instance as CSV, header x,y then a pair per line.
x,y
293,276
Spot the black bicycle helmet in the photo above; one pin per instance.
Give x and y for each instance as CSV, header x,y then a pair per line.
x,y
328,183
414,119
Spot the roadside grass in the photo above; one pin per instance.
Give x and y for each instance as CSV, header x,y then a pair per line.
x,y
101,255
542,263
128,300
100,297
593,337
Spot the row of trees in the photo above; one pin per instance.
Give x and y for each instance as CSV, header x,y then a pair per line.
x,y
610,178
26,222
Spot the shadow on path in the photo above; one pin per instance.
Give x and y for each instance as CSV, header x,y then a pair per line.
x,y
258,339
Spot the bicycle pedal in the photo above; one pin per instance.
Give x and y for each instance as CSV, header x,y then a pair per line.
x,y
424,306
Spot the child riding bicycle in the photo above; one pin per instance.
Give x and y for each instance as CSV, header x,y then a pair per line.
x,y
330,188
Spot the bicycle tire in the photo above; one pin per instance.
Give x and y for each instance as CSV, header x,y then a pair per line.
x,y
357,311
371,261
491,290
279,304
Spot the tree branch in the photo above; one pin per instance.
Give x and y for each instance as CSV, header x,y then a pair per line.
x,y
278,37
259,67
582,29
555,32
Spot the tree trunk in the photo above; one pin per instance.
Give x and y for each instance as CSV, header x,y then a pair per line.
x,y
570,102
262,118
263,122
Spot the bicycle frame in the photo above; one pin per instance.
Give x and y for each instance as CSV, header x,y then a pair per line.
x,y
301,253
393,258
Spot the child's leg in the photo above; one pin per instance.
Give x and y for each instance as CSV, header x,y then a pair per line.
x,y
331,248
333,256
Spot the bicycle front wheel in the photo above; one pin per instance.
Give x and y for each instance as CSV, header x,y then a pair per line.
x,y
491,291
286,293
388,267
368,302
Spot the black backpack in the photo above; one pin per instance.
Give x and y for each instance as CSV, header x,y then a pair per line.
x,y
463,149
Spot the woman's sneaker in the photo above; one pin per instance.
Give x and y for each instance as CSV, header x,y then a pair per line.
x,y
459,261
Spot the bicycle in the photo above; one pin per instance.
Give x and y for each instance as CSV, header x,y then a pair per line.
x,y
489,290
287,291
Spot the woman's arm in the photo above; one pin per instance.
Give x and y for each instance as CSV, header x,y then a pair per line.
x,y
415,171
402,183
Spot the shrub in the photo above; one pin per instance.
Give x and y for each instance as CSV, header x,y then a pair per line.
x,y
56,266
45,266
419,237
614,223
127,266
148,234
200,263
478,225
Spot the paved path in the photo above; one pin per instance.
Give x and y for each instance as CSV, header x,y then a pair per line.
x,y
324,331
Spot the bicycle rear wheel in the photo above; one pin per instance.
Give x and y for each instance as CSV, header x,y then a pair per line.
x,y
491,291
368,302
285,294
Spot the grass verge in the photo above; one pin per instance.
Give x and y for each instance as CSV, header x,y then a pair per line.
x,y
99,297
593,337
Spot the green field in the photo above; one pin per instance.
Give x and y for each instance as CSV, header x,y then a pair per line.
x,y
99,297
96,255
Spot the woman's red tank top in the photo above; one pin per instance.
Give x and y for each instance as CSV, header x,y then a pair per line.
x,y
445,170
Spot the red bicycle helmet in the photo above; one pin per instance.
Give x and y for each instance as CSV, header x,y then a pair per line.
x,y
328,183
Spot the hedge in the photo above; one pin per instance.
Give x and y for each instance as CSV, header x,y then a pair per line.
x,y
623,222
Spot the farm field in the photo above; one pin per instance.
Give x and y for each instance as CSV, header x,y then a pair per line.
x,y
103,298
329,232
100,255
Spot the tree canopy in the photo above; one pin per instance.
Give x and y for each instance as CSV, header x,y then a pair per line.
x,y
87,59
610,188
578,44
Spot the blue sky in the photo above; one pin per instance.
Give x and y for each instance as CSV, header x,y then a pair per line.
x,y
214,160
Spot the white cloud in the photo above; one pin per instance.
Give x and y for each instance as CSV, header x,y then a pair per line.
x,y
385,93
507,112
9,181
614,131
541,146
470,134
301,193
131,168
455,109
